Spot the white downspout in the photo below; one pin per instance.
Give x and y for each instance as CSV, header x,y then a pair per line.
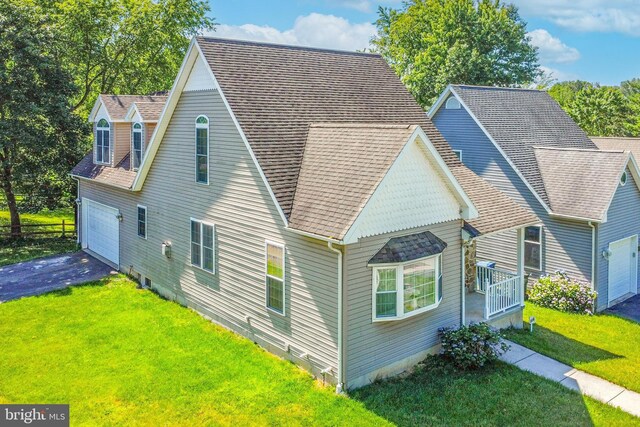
x,y
464,287
340,385
594,250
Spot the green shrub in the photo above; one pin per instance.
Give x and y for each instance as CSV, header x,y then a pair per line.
x,y
472,346
560,292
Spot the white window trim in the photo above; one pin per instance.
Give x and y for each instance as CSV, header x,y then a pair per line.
x,y
624,178
95,139
200,267
539,268
400,289
268,243
133,132
452,104
195,147
146,222
458,152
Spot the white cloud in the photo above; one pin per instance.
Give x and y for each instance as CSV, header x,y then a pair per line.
x,y
365,6
558,75
622,16
552,49
315,30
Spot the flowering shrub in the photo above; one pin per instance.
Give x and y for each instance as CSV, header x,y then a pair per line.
x,y
472,346
562,293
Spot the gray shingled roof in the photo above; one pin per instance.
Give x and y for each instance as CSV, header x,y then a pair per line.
x,y
350,160
118,105
119,176
618,143
581,183
518,120
277,92
150,111
409,248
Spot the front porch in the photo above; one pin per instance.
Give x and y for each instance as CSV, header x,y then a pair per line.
x,y
494,295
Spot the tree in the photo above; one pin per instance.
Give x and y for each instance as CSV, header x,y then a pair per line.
x,y
432,43
39,136
565,92
603,111
124,46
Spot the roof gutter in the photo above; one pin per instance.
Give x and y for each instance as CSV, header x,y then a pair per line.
x,y
576,218
340,379
316,236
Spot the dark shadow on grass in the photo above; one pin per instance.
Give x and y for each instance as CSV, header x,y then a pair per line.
x,y
558,346
438,394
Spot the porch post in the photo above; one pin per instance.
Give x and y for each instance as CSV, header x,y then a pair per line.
x,y
520,253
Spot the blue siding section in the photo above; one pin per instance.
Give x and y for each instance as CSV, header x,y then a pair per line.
x,y
566,245
623,220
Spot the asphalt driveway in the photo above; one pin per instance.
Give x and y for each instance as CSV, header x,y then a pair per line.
x,y
629,308
50,273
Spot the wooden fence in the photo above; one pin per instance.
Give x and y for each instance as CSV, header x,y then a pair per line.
x,y
63,229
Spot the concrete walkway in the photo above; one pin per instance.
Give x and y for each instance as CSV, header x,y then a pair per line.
x,y
587,384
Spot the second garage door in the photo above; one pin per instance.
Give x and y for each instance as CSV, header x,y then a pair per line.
x,y
623,267
101,230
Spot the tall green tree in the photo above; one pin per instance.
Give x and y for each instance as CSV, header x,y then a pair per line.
x,y
603,111
39,135
565,92
432,43
125,46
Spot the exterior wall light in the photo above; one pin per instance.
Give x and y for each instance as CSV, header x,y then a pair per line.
x,y
119,217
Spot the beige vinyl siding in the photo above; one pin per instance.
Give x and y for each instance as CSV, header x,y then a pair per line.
x,y
374,345
238,203
148,131
122,141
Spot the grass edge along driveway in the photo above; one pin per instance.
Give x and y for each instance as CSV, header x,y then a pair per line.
x,y
604,345
120,355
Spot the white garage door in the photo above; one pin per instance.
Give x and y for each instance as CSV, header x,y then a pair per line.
x,y
623,267
101,230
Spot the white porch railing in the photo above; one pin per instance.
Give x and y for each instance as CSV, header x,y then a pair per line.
x,y
502,290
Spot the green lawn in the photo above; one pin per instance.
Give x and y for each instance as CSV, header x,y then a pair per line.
x,y
36,247
604,345
120,355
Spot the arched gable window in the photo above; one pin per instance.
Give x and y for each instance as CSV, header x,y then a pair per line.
x,y
136,140
202,150
103,142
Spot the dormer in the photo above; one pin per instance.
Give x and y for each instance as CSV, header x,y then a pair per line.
x,y
122,127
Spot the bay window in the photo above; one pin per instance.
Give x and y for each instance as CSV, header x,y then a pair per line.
x,y
406,289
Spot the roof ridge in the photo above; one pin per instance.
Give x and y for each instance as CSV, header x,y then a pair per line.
x,y
361,125
595,150
523,89
286,46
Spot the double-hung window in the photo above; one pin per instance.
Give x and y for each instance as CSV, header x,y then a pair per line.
x,y
136,141
202,245
103,143
403,290
275,277
202,150
533,247
142,222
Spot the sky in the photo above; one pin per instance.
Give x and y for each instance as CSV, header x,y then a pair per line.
x,y
593,40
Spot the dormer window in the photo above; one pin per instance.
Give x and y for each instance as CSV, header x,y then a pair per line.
x,y
103,142
136,149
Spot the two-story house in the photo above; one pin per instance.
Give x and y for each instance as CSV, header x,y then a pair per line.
x,y
302,198
523,143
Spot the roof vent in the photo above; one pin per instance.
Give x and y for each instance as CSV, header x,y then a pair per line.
x,y
452,103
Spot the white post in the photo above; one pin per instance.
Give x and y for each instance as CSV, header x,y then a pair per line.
x,y
520,253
